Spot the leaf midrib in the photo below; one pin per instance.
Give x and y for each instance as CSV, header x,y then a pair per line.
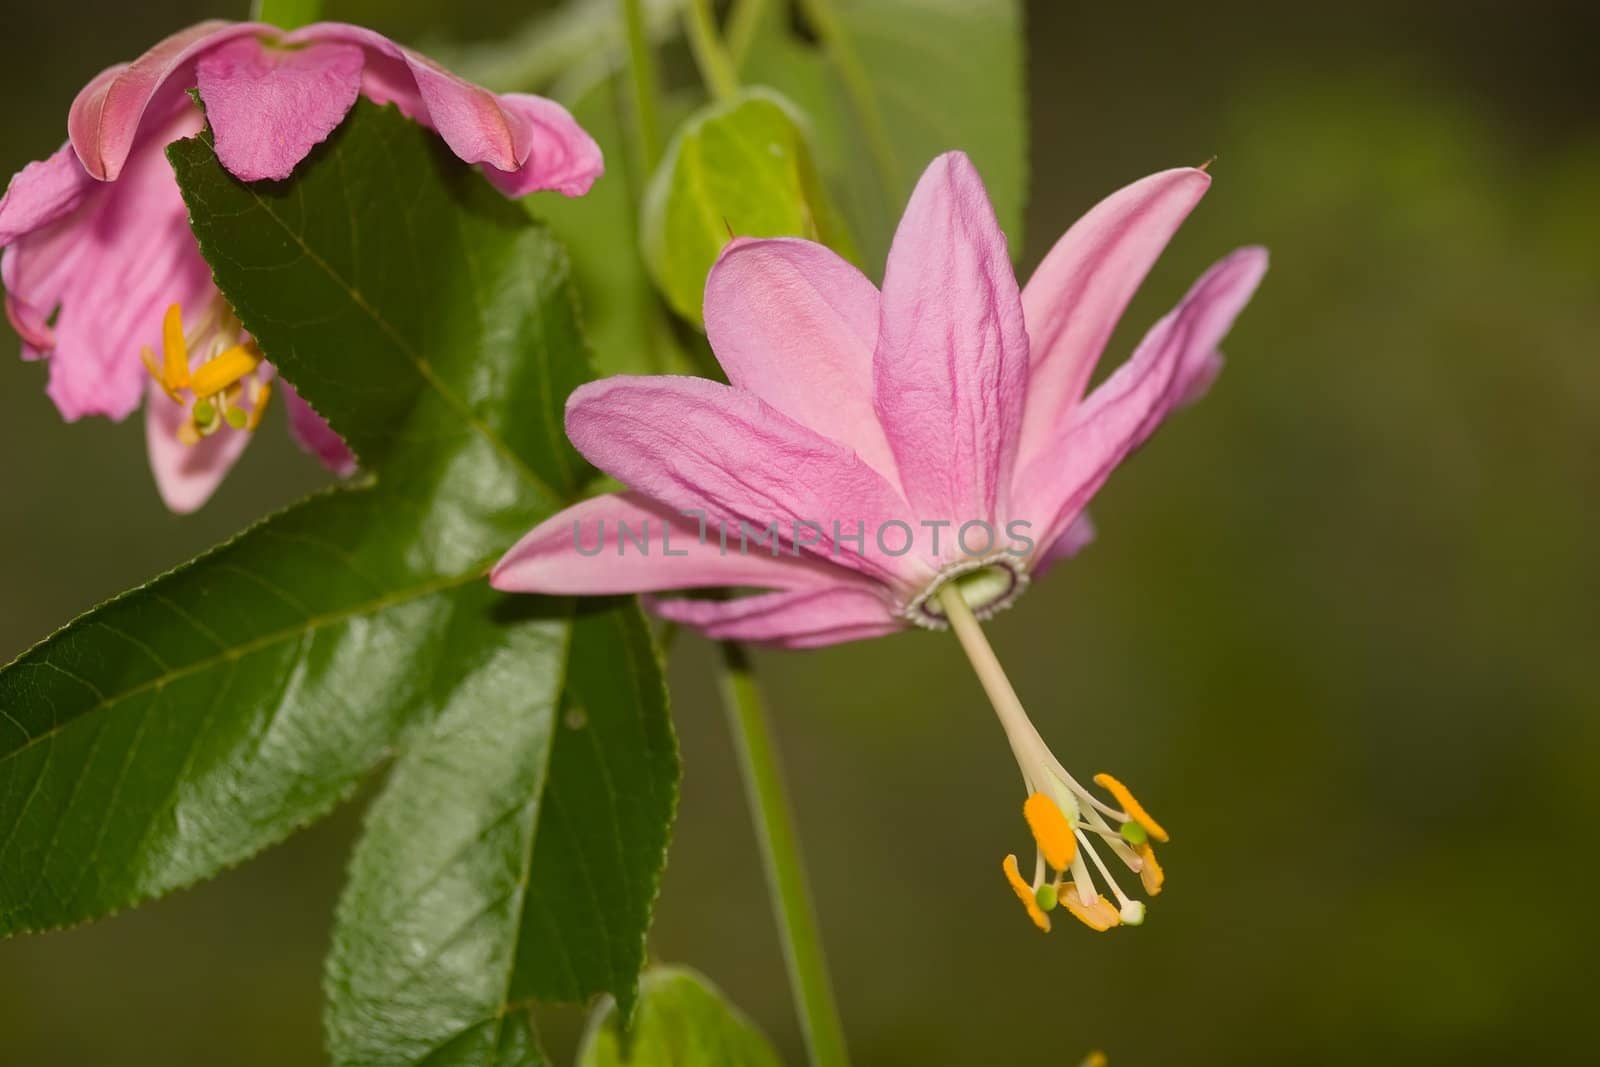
x,y
256,644
552,499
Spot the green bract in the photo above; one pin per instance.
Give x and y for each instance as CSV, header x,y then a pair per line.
x,y
682,1020
738,168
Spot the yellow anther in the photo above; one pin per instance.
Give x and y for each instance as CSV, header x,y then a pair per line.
x,y
1101,915
259,395
215,375
174,350
1150,873
1134,809
1024,893
1051,830
159,375
1094,1059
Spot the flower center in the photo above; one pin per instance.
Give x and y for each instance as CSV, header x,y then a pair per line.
x,y
1066,820
212,373
988,585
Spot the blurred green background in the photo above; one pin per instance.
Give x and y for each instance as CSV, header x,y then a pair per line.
x,y
1340,629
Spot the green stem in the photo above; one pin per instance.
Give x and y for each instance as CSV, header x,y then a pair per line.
x,y
642,64
780,853
286,14
743,21
830,31
716,67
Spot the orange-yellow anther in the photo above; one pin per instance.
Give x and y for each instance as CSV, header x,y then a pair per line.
x,y
215,375
1134,809
1094,1059
174,350
1101,915
1150,873
1024,893
157,374
1051,830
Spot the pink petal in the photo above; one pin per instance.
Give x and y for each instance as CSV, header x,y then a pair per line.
x,y
1073,540
41,193
561,154
626,543
524,142
1178,353
794,324
107,114
107,272
1082,286
313,434
186,475
532,143
694,444
950,374
805,618
270,107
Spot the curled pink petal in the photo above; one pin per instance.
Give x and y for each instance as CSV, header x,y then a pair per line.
x,y
264,84
806,618
561,154
269,107
524,142
794,324
41,193
186,475
313,434
952,357
1073,540
1178,353
1075,299
107,115
626,543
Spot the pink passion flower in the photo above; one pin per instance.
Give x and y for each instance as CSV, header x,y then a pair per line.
x,y
104,279
906,458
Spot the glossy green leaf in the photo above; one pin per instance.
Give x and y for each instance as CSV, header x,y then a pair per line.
x,y
739,167
513,855
682,1021
188,724
890,84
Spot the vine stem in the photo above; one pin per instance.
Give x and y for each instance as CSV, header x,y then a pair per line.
x,y
780,853
716,66
836,43
642,66
286,14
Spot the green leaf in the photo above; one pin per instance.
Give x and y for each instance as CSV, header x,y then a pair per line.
x,y
739,167
513,855
624,318
184,726
892,84
683,1021
189,723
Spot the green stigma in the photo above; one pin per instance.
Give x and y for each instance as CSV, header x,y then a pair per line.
x,y
1045,897
1134,834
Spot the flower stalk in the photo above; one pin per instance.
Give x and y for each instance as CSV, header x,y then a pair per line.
x,y
286,14
642,69
785,870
